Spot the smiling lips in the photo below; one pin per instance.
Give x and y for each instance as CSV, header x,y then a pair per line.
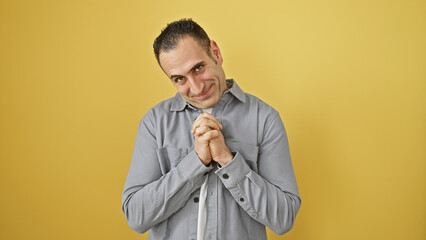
x,y
205,94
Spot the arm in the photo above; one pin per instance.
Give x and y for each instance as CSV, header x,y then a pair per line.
x,y
150,197
271,196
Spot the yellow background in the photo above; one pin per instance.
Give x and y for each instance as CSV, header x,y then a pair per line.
x,y
348,78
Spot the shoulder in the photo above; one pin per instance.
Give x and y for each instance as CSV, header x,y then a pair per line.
x,y
162,107
262,107
158,111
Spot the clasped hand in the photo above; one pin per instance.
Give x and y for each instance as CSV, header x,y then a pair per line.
x,y
209,141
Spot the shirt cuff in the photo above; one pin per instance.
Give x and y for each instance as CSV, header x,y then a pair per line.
x,y
234,171
191,168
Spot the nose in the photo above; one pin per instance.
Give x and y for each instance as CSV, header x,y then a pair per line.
x,y
196,86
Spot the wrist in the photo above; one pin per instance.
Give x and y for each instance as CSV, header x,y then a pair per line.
x,y
225,159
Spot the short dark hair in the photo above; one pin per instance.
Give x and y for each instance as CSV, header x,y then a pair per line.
x,y
175,31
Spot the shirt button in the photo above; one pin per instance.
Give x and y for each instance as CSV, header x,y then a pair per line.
x,y
225,176
241,199
196,199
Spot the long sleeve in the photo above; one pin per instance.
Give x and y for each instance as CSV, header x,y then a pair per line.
x,y
151,196
270,196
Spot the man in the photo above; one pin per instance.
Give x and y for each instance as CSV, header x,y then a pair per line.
x,y
212,162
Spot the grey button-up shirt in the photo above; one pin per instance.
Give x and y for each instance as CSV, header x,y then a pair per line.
x,y
256,189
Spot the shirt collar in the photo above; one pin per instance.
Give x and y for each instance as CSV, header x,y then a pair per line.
x,y
179,104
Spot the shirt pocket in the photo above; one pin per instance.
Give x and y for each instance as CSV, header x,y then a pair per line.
x,y
248,151
169,157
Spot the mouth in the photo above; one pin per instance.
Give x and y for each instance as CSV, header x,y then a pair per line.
x,y
205,94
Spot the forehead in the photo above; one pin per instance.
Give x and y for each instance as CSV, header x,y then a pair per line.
x,y
184,57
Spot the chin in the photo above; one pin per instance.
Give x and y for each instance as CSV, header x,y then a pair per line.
x,y
208,103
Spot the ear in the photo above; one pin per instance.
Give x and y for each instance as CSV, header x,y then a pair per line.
x,y
216,52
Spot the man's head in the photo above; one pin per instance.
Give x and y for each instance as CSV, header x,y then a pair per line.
x,y
192,61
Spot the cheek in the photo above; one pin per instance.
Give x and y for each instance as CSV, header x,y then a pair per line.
x,y
183,90
208,73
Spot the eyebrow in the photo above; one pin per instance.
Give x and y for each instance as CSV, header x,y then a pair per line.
x,y
192,69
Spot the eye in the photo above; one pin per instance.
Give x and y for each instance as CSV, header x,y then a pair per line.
x,y
198,68
178,80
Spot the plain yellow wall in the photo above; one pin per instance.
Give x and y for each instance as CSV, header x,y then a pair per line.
x,y
348,78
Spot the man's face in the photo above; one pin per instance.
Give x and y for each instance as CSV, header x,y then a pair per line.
x,y
199,79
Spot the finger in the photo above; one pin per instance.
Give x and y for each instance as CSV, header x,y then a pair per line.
x,y
208,116
201,130
212,134
213,124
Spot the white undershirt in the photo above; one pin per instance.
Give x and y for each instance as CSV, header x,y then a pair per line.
x,y
202,209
